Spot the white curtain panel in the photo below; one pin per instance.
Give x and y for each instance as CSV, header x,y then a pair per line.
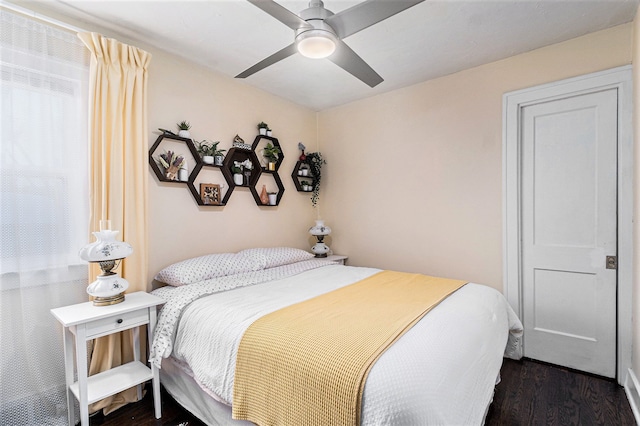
x,y
43,211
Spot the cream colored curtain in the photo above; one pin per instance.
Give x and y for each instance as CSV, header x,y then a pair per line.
x,y
118,187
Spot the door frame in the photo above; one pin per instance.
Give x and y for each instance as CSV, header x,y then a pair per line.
x,y
619,78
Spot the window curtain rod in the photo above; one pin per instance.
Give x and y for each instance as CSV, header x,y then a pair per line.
x,y
40,17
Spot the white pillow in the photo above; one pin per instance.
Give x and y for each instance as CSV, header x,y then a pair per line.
x,y
206,267
270,257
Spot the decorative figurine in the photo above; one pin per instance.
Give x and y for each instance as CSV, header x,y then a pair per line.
x,y
301,147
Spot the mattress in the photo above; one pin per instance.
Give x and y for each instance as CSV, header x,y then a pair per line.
x,y
442,371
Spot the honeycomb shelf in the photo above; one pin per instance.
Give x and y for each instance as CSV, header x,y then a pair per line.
x,y
199,164
234,154
298,178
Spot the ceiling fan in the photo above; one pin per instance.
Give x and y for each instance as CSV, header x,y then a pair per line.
x,y
319,33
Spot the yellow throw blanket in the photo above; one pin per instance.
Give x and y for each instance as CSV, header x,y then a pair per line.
x,y
306,364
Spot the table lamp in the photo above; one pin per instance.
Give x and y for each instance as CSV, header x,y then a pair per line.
x,y
320,230
109,287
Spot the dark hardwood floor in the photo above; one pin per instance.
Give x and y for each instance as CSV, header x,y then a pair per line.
x,y
531,393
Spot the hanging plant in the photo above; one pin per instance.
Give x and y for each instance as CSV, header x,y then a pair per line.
x,y
315,162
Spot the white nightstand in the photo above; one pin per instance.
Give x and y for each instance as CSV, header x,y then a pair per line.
x,y
338,258
86,321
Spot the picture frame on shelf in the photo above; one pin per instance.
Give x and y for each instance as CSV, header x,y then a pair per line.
x,y
210,193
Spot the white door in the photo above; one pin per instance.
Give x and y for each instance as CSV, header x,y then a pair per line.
x,y
568,213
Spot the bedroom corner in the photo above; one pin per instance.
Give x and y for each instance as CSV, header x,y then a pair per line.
x,y
432,154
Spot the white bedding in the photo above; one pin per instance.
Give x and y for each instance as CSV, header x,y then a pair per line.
x,y
442,371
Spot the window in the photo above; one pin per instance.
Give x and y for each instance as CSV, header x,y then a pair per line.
x,y
43,146
44,201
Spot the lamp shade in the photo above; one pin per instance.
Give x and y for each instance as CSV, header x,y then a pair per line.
x,y
319,228
105,248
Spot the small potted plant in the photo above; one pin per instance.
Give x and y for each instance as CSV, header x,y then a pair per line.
x,y
271,153
268,131
183,129
206,150
262,128
236,169
306,186
218,154
315,161
273,198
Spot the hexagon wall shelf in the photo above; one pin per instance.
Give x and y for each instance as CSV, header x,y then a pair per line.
x,y
234,154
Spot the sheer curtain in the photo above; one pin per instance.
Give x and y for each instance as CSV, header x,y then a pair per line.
x,y
43,211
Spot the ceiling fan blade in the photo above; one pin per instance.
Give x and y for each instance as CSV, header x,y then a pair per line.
x,y
281,13
349,60
365,14
278,56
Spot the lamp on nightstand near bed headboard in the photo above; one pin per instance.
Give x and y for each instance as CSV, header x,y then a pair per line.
x,y
109,288
320,230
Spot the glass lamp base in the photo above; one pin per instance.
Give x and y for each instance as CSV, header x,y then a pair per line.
x,y
108,289
320,249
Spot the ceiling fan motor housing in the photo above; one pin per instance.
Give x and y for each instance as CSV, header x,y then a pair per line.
x,y
319,41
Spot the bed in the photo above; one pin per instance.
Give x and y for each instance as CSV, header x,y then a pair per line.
x,y
442,371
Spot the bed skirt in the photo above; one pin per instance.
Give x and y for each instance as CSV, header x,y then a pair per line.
x,y
186,391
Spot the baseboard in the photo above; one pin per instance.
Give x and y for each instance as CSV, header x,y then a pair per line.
x,y
632,389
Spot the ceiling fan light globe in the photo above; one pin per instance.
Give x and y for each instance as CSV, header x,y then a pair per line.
x,y
316,44
316,47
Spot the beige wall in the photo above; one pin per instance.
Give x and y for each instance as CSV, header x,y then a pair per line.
x,y
218,108
636,233
414,180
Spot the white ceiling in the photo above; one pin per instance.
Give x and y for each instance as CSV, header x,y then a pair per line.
x,y
429,40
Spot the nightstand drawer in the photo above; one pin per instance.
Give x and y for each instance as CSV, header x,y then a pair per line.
x,y
116,323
